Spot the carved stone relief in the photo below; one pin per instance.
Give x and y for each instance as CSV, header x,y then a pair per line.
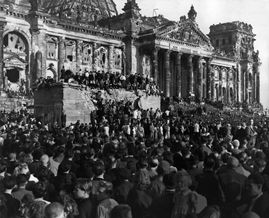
x,y
118,58
101,59
146,65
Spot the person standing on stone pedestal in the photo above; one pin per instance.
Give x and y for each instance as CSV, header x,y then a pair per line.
x,y
62,73
87,75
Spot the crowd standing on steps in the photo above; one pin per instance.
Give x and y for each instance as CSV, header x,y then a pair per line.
x,y
104,81
135,163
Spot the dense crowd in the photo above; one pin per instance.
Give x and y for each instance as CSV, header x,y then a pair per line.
x,y
104,81
136,163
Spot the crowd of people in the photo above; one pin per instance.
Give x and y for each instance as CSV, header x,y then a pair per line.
x,y
104,81
129,162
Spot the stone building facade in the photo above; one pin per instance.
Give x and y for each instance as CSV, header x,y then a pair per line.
x,y
46,37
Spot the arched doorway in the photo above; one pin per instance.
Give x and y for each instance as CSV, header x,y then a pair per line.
x,y
16,52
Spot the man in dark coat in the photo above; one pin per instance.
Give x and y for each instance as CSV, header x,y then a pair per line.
x,y
121,192
163,205
257,201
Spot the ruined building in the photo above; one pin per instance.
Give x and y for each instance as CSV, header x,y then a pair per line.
x,y
45,37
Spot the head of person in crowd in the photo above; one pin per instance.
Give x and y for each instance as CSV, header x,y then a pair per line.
x,y
45,160
64,167
22,168
254,184
22,180
153,163
104,190
12,156
141,180
98,169
39,190
169,181
43,174
163,168
83,188
121,211
9,183
259,165
242,157
142,162
55,210
168,156
183,181
209,163
69,204
232,163
236,143
37,209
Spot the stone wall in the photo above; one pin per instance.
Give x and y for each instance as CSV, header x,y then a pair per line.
x,y
9,104
74,103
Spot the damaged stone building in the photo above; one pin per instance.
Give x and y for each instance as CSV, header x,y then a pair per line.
x,y
42,38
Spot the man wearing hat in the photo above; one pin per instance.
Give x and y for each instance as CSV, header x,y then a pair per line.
x,y
258,201
122,191
232,182
163,205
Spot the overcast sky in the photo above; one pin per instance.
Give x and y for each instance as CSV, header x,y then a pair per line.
x,y
254,12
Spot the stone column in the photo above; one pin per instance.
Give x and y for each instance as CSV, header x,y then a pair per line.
x,y
94,62
238,83
253,90
213,88
228,86
167,73
204,81
208,79
39,64
246,87
221,97
155,73
124,59
2,27
200,78
258,82
61,55
243,80
110,58
178,72
42,44
79,44
191,75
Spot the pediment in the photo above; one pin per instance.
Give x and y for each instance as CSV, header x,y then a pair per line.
x,y
186,32
15,61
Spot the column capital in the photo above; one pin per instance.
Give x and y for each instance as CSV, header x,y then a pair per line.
x,y
61,39
79,42
190,59
209,60
179,54
155,50
168,52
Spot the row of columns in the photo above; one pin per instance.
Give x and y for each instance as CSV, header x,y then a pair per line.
x,y
2,27
205,87
178,67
